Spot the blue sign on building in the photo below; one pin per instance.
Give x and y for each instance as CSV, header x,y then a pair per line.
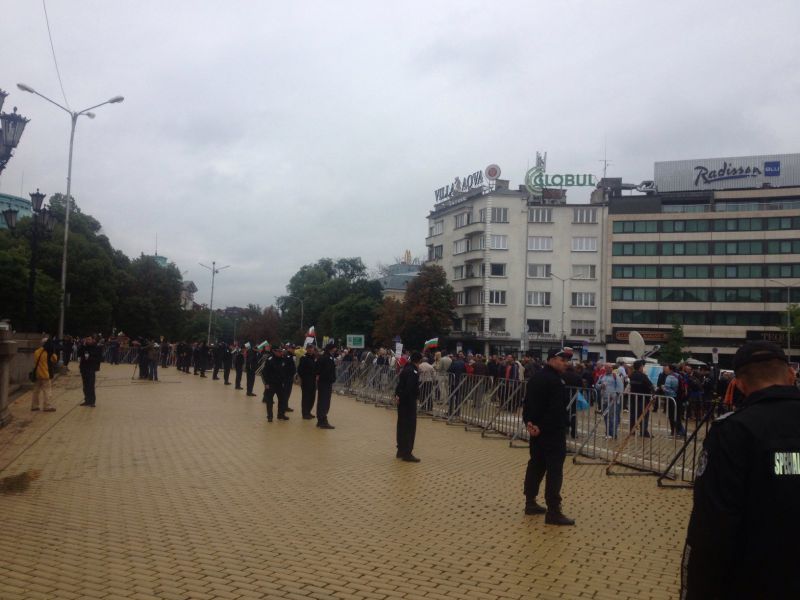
x,y
772,168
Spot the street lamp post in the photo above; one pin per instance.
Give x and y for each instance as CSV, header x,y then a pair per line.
x,y
788,314
563,281
41,217
300,300
214,270
74,121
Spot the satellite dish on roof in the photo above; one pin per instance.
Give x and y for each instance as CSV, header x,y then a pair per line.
x,y
492,172
636,342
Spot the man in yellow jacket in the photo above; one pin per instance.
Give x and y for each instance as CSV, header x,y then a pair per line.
x,y
41,386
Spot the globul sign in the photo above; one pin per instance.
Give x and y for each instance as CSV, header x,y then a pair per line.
x,y
536,180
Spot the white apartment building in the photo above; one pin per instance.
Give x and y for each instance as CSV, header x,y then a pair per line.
x,y
527,271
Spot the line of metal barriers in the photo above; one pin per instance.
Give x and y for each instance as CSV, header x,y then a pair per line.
x,y
628,433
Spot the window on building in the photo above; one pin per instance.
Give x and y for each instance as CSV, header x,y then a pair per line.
x,y
584,272
435,252
497,297
538,326
582,327
584,215
499,215
497,324
584,244
499,242
497,270
460,246
540,215
458,272
583,299
539,271
463,219
539,243
458,324
437,228
538,299
461,298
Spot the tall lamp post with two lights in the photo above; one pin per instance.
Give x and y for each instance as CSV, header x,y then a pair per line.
x,y
74,121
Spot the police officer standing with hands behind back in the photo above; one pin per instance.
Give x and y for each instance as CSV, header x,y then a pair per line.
x,y
546,419
743,534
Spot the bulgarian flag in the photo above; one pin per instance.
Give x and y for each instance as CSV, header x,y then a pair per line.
x,y
311,337
432,343
263,345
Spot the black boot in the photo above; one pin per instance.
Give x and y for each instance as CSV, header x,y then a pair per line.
x,y
556,517
534,508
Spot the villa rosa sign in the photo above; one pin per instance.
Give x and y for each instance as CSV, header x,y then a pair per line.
x,y
460,184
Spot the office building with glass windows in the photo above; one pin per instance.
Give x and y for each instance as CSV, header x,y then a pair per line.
x,y
713,244
525,270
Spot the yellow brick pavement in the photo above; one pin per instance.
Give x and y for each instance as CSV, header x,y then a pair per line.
x,y
181,490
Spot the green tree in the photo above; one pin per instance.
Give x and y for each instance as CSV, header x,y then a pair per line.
x,y
428,307
388,322
672,351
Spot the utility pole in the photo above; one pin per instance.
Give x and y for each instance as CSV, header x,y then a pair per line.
x,y
214,270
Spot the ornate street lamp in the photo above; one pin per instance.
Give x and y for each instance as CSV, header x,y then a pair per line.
x,y
10,216
11,127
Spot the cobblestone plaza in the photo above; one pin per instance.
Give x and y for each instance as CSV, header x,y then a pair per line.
x,y
181,490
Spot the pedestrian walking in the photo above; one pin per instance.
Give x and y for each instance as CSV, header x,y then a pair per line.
x,y
747,489
405,396
325,371
89,364
611,385
308,382
545,417
289,371
42,386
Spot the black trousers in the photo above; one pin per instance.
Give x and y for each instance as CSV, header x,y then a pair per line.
x,y
226,374
406,426
88,378
636,409
548,452
215,374
251,381
324,391
288,386
309,387
164,361
239,378
270,393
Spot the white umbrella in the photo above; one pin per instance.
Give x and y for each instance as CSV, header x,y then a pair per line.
x,y
695,363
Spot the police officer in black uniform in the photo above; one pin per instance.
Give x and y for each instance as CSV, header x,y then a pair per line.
x,y
272,376
217,360
238,366
405,395
743,534
89,356
325,371
546,419
251,364
227,359
289,370
308,382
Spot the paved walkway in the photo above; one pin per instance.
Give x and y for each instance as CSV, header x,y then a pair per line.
x,y
181,489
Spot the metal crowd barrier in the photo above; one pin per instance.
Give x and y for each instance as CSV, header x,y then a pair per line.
x,y
639,433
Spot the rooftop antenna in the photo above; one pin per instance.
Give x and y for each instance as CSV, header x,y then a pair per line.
x,y
605,160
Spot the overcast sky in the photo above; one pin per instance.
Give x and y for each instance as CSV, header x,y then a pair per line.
x,y
265,135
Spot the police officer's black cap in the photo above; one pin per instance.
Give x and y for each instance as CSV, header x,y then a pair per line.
x,y
330,345
756,352
560,352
